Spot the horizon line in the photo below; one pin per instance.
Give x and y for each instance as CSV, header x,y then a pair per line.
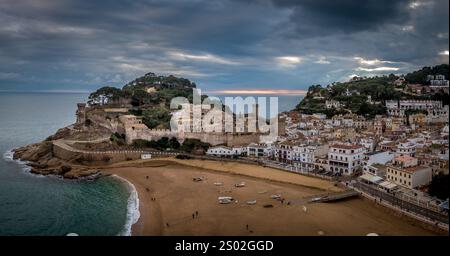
x,y
259,92
46,91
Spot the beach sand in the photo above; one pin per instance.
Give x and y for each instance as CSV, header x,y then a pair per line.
x,y
178,197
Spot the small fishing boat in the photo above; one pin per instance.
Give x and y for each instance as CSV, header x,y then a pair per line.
x,y
225,199
277,197
240,185
251,202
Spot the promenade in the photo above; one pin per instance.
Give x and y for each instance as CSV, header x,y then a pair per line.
x,y
427,215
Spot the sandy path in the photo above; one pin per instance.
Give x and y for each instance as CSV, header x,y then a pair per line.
x,y
178,197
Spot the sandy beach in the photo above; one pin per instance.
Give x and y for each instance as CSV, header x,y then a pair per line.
x,y
169,198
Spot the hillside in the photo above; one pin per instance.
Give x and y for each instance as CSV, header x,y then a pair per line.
x,y
148,96
151,80
367,96
420,76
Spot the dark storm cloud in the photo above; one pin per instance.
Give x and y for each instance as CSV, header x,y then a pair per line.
x,y
321,17
256,43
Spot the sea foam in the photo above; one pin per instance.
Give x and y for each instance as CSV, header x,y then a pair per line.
x,y
133,213
8,156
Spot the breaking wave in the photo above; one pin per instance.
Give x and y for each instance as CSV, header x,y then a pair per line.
x,y
8,156
133,213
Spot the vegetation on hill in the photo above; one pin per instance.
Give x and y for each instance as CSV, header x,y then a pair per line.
x,y
188,145
148,96
118,139
420,76
157,117
354,95
107,94
152,80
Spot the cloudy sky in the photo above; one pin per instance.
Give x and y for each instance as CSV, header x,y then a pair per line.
x,y
80,45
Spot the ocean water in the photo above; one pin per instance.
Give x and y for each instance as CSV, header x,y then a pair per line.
x,y
37,205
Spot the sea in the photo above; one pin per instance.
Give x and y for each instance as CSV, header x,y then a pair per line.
x,y
48,205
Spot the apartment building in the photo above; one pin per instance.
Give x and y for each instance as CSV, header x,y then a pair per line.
x,y
406,172
345,158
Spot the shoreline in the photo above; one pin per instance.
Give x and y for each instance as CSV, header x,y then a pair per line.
x,y
8,156
148,217
133,212
176,208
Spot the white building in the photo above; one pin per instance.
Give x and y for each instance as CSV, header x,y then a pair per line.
x,y
333,122
398,108
319,116
368,143
445,131
310,132
330,104
405,172
345,158
223,151
406,148
304,156
374,162
438,115
259,150
438,81
347,122
283,152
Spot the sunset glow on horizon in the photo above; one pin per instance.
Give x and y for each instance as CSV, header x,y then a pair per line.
x,y
260,92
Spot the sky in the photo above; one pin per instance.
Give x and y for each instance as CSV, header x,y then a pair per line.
x,y
226,45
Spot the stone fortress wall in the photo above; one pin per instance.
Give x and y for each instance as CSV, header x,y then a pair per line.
x,y
213,138
64,151
133,129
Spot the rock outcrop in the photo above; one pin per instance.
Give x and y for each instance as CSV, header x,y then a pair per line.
x,y
40,158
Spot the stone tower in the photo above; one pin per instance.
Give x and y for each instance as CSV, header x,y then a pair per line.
x,y
81,114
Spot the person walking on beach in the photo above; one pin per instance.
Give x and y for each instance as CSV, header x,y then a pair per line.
x,y
196,213
246,226
193,216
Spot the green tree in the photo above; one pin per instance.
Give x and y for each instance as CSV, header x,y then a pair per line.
x,y
106,94
140,97
174,144
157,116
439,186
189,145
